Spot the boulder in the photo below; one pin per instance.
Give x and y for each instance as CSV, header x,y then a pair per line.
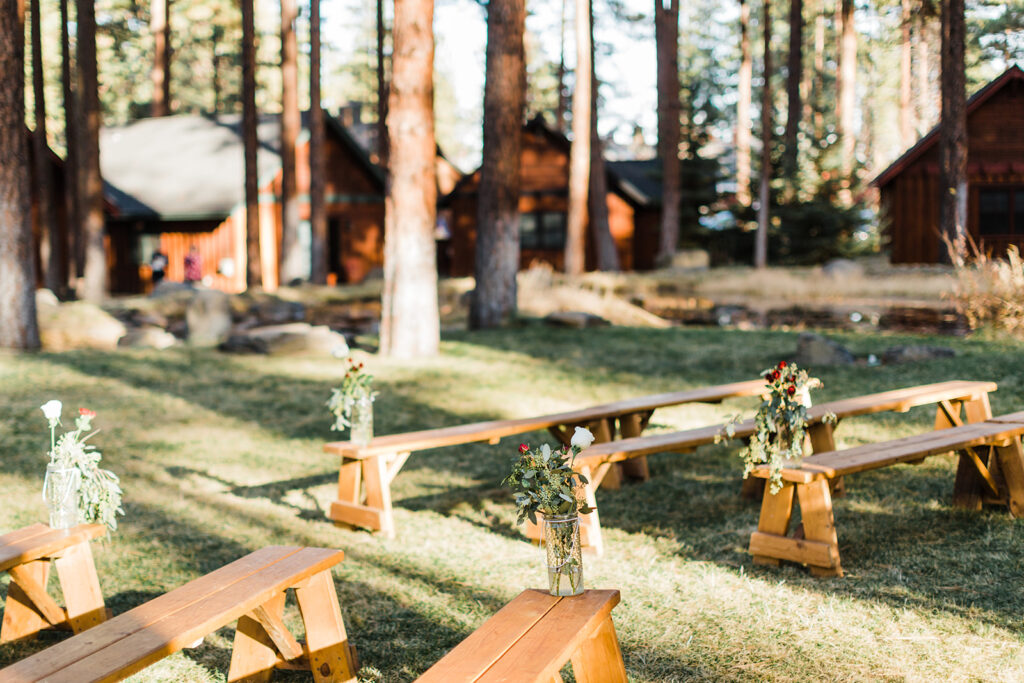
x,y
289,339
577,319
274,311
208,316
147,337
78,325
813,350
841,269
915,353
691,259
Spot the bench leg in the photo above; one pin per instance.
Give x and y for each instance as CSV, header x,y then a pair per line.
x,y
81,587
1011,464
629,426
599,659
776,512
330,657
22,618
969,487
819,523
822,437
604,431
253,656
376,514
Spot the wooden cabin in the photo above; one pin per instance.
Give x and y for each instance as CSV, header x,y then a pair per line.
x,y
178,181
543,206
910,190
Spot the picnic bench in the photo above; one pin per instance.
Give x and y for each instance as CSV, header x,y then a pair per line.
x,y
992,449
956,397
366,472
26,554
531,638
251,590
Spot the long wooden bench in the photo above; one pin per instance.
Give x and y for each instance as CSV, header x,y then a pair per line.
x,y
366,472
251,590
992,449
530,639
26,555
956,397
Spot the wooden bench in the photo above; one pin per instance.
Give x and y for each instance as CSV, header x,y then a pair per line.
x,y
952,397
251,590
992,449
26,554
366,472
531,638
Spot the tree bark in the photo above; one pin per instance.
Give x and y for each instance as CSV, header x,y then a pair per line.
x,y
794,76
744,97
953,135
819,71
410,325
72,171
160,28
906,77
847,86
597,196
382,91
94,285
925,101
497,238
579,154
253,266
317,165
291,258
50,245
666,39
562,105
764,194
18,329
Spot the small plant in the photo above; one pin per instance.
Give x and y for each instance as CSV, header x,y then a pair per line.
x,y
989,291
99,499
356,384
780,422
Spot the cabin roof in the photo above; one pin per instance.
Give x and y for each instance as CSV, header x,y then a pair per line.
x,y
931,139
192,167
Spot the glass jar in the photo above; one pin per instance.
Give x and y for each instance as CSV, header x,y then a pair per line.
x,y
60,491
361,420
564,554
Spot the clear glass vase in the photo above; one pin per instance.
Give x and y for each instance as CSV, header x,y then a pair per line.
x,y
361,420
564,555
60,491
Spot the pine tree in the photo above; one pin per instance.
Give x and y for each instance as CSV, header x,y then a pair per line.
x,y
253,266
291,256
579,154
953,132
94,281
317,161
666,38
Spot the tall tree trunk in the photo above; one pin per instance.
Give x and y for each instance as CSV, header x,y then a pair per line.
x,y
497,237
906,78
819,71
666,38
811,9
382,91
744,97
764,193
953,136
51,247
317,163
562,105
291,257
847,91
253,265
925,101
597,196
409,324
160,27
794,75
579,154
18,328
94,285
72,170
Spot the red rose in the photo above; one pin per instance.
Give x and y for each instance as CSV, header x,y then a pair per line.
x,y
85,412
775,374
782,364
791,390
523,448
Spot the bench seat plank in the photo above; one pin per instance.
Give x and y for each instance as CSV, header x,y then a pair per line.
x,y
38,541
145,634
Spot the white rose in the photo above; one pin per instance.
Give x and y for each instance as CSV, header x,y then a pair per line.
x,y
51,409
582,438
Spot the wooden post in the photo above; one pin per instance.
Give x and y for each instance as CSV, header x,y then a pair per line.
x,y
598,659
629,426
22,620
818,521
330,657
1011,464
822,438
378,492
776,513
253,656
604,431
968,488
81,587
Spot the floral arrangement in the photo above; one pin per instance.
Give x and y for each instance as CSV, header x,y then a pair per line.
x,y
99,499
543,480
780,422
356,384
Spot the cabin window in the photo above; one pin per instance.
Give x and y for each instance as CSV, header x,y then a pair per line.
x,y
1001,211
542,230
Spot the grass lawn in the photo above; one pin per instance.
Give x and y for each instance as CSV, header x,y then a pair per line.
x,y
222,455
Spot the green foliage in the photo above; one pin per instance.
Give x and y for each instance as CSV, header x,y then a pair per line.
x,y
543,480
356,385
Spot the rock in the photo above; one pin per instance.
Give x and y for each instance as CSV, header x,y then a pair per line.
x,y
290,339
78,325
147,337
576,319
171,288
813,350
691,259
45,297
148,319
841,268
915,353
208,317
276,312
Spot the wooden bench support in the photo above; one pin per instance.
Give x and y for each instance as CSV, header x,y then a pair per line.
x,y
968,488
26,554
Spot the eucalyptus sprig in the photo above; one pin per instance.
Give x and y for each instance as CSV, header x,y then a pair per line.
x,y
543,480
356,384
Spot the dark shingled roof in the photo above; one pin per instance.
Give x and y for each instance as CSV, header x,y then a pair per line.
x,y
191,167
641,179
